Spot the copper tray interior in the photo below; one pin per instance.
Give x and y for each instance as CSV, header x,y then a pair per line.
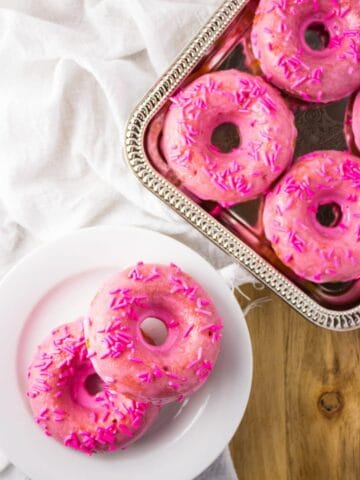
x,y
319,128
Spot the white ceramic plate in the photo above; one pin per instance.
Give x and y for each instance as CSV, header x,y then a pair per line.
x,y
54,285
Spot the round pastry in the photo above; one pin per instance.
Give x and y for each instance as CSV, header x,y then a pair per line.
x,y
258,136
326,71
73,405
312,217
250,63
153,147
356,121
158,373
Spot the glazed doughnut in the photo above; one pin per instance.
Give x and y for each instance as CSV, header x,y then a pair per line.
x,y
356,121
312,217
263,122
328,73
162,373
71,403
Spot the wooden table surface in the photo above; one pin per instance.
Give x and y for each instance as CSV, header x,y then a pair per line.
x,y
303,418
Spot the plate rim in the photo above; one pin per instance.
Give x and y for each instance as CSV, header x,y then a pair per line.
x,y
42,249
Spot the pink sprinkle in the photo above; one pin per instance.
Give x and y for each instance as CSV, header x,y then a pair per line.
x,y
275,239
125,430
203,311
157,372
173,324
297,242
211,326
174,385
202,302
60,411
109,380
113,302
135,360
187,333
288,257
145,377
192,364
178,269
152,276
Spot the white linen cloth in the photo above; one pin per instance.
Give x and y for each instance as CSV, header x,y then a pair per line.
x,y
71,73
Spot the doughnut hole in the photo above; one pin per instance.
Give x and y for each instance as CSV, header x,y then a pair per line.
x,y
154,331
226,137
93,384
317,36
329,215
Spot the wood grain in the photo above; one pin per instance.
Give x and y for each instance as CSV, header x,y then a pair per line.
x,y
303,417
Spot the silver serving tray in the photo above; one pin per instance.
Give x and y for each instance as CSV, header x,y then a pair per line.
x,y
238,230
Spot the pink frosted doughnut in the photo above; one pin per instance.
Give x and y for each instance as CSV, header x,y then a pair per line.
x,y
312,217
147,372
71,403
356,121
260,116
324,75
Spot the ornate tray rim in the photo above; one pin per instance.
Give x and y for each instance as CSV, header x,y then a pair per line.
x,y
213,230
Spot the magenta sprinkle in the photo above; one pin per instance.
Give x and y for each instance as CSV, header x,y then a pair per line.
x,y
188,331
174,385
192,364
135,360
125,430
203,311
173,324
213,327
297,242
60,411
157,373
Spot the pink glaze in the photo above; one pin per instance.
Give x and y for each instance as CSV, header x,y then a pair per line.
x,y
266,128
147,372
64,408
356,121
313,251
278,39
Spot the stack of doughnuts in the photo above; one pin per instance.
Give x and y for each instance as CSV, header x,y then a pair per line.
x,y
303,53
97,384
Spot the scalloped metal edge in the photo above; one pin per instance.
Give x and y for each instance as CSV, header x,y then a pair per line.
x,y
193,213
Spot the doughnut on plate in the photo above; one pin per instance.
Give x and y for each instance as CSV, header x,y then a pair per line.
x,y
55,284
223,44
